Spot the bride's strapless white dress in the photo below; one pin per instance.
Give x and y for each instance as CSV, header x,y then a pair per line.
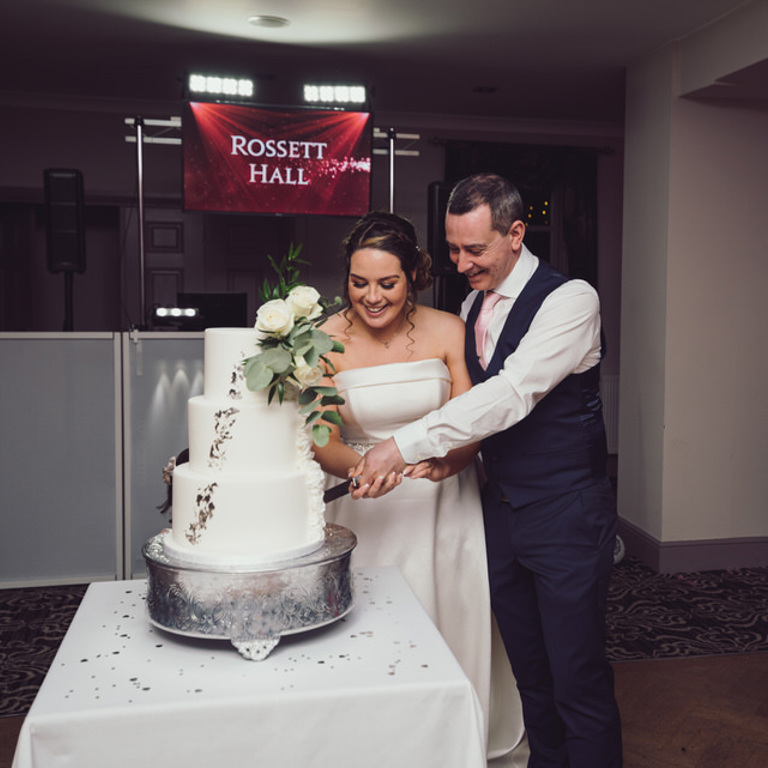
x,y
433,532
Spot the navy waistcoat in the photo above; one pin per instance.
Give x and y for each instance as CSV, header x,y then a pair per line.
x,y
560,446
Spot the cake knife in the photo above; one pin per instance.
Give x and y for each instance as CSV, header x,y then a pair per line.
x,y
337,491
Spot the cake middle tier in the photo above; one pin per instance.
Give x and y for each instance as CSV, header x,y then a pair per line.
x,y
242,437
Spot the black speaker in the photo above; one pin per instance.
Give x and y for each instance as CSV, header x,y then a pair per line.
x,y
64,220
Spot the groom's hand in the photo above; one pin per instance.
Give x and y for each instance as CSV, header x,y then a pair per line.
x,y
379,471
432,469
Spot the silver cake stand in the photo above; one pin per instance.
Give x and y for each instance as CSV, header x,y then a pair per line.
x,y
251,606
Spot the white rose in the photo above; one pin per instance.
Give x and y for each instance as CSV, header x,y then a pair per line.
x,y
306,375
274,317
304,301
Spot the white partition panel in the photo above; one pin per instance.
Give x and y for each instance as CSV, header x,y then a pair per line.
x,y
60,458
161,371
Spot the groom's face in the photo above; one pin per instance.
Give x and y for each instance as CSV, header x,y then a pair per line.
x,y
482,254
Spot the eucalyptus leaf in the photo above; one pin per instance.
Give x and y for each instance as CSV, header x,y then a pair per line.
x,y
307,396
278,359
249,362
299,335
269,342
321,341
311,357
304,325
306,350
331,400
259,378
321,434
332,417
328,364
254,363
325,391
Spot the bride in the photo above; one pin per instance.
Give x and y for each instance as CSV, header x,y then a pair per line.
x,y
402,360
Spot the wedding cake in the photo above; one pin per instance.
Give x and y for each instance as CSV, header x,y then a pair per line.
x,y
251,492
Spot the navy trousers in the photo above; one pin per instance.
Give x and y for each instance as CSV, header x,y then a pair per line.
x,y
549,565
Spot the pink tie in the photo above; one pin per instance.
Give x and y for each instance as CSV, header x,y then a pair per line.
x,y
482,323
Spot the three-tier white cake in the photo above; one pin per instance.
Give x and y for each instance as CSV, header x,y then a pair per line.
x,y
251,492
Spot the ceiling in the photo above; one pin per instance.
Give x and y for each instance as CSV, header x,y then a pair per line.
x,y
548,59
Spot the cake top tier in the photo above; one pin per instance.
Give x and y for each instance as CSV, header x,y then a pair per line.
x,y
225,350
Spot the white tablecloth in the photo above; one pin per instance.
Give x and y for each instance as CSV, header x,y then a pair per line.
x,y
378,688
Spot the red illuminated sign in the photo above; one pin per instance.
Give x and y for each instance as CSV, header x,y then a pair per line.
x,y
250,159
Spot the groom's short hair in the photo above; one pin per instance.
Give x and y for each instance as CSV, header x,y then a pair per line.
x,y
498,193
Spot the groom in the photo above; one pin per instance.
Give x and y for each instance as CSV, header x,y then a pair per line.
x,y
533,348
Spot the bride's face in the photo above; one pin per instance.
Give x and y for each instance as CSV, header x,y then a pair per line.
x,y
377,287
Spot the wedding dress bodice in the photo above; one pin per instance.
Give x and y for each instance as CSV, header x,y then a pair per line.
x,y
379,399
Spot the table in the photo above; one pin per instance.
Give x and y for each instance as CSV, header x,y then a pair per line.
x,y
378,688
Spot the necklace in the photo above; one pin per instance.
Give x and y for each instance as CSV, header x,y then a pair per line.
x,y
392,337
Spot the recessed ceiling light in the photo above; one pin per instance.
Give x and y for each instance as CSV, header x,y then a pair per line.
x,y
268,21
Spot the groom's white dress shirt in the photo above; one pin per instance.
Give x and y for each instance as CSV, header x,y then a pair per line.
x,y
564,338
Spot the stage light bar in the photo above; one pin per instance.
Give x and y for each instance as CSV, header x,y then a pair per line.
x,y
164,312
334,94
176,318
213,85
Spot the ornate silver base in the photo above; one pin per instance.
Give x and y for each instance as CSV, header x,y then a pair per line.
x,y
252,607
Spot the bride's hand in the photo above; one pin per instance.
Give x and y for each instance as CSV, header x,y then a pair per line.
x,y
379,487
379,470
431,469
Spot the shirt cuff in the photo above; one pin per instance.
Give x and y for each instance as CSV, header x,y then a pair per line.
x,y
413,443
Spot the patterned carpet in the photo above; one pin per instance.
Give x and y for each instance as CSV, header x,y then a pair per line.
x,y
662,616
650,616
32,624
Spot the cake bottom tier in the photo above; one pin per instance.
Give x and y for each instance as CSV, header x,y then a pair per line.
x,y
232,520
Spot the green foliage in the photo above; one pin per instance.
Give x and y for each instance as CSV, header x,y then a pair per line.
x,y
288,275
293,362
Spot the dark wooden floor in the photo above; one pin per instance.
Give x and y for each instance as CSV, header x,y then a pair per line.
x,y
679,713
705,712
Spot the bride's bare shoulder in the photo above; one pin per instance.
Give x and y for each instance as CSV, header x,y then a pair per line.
x,y
336,324
439,321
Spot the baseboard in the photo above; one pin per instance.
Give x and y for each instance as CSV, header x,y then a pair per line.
x,y
693,556
63,581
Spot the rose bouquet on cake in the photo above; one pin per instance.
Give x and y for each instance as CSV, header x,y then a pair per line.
x,y
293,360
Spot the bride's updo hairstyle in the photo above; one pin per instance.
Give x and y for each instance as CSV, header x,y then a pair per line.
x,y
393,234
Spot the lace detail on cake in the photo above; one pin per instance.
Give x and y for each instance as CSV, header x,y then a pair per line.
x,y
315,477
224,421
204,507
